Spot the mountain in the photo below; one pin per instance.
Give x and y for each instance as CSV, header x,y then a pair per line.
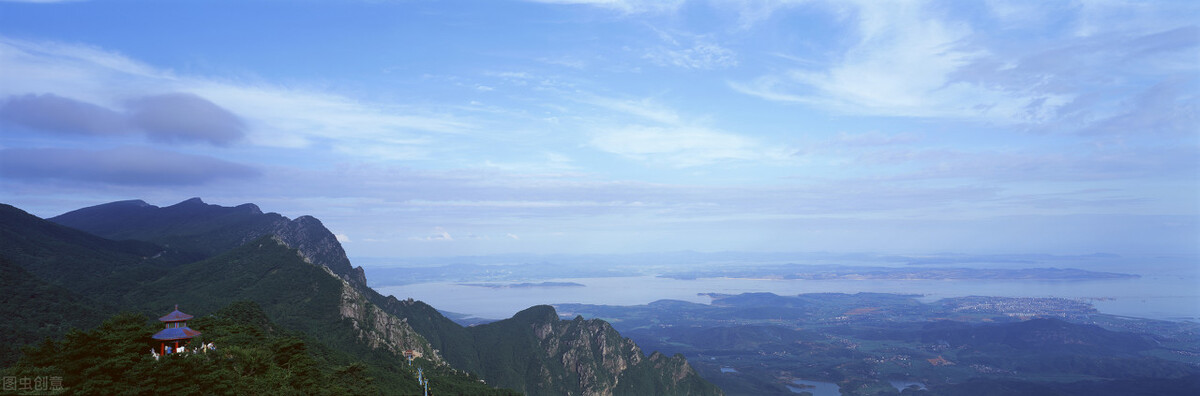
x,y
34,309
253,356
81,262
881,344
297,272
295,293
203,230
536,353
1043,335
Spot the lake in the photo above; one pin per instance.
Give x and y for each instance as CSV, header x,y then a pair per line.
x,y
817,388
1167,296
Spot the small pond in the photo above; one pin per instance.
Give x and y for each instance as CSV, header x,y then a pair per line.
x,y
901,385
817,388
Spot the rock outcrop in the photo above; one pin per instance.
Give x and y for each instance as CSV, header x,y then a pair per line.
x,y
379,329
533,352
577,357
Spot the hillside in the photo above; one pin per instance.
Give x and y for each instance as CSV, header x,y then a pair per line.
x,y
302,298
290,269
254,355
538,354
81,262
202,230
34,309
880,344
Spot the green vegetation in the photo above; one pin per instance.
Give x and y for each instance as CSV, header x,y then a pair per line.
x,y
84,263
253,356
756,343
191,226
33,309
282,322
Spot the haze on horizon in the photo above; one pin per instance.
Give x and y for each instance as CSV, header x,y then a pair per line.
x,y
447,128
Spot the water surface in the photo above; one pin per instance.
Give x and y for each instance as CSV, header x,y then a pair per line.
x,y
1155,296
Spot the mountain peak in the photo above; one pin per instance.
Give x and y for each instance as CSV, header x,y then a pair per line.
x,y
250,208
136,203
537,314
306,219
204,230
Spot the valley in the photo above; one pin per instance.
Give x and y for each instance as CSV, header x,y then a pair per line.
x,y
867,343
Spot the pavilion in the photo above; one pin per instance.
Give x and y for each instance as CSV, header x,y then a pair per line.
x,y
176,330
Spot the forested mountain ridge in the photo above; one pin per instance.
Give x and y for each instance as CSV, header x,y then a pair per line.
x,y
291,269
205,230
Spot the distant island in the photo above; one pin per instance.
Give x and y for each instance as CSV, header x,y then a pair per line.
x,y
837,272
523,285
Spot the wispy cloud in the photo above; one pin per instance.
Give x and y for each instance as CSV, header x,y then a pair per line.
x,y
174,117
900,66
645,108
916,59
273,116
658,134
625,6
438,235
139,166
700,56
675,146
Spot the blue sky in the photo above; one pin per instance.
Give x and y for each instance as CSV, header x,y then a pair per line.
x,y
419,128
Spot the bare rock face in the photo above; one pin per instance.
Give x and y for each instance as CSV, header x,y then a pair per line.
x,y
585,357
590,351
379,329
320,246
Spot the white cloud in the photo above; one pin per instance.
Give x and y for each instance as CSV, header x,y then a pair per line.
x,y
701,56
644,108
343,238
903,65
875,138
926,59
625,6
275,116
438,235
550,162
676,146
899,62
648,131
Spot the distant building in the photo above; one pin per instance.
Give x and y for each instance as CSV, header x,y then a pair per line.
x,y
176,330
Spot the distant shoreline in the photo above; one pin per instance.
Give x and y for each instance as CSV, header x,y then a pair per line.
x,y
522,285
791,272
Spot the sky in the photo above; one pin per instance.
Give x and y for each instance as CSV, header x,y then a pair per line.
x,y
450,128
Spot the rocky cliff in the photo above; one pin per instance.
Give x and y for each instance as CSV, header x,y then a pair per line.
x,y
536,352
382,330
